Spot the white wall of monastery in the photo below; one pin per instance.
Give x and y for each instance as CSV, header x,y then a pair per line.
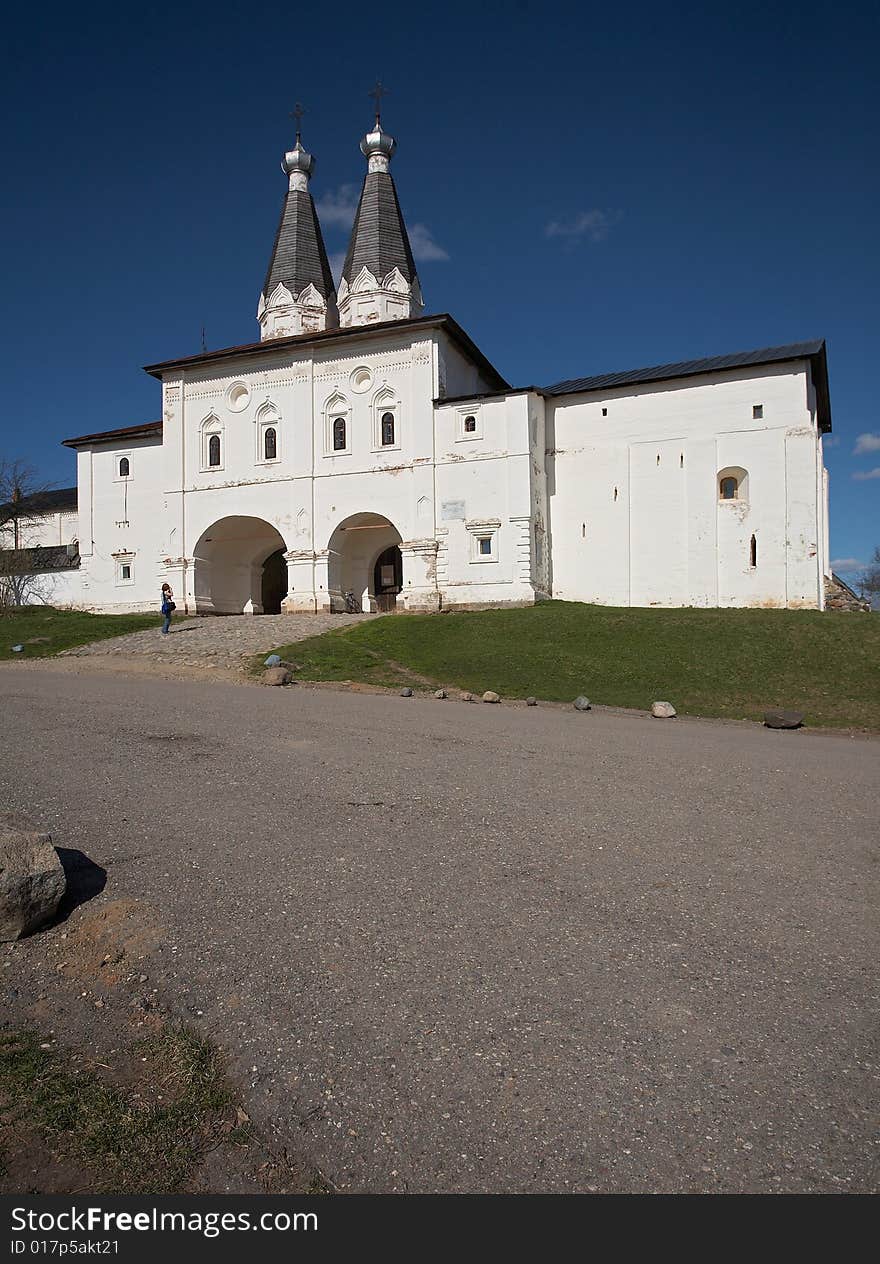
x,y
635,513
541,496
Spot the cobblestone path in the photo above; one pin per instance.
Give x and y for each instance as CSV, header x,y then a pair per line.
x,y
225,642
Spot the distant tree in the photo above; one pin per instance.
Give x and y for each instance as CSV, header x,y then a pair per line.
x,y
23,502
869,580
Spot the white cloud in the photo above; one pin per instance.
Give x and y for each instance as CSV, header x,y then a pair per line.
x,y
594,224
846,564
867,443
338,206
425,249
861,475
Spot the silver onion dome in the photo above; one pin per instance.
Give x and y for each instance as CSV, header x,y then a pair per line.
x,y
378,142
297,159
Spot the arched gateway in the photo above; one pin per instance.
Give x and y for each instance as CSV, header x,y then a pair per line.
x,y
365,565
240,568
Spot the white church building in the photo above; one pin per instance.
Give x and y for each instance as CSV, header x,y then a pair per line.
x,y
365,455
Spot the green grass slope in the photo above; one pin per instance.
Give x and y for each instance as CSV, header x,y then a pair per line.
x,y
728,663
43,630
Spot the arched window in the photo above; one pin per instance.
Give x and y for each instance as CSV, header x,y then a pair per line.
x,y
728,488
270,443
753,552
338,434
124,467
470,425
387,430
214,450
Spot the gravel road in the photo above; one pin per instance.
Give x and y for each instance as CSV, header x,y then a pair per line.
x,y
458,947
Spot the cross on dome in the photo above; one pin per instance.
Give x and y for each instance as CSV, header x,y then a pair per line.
x,y
377,94
296,113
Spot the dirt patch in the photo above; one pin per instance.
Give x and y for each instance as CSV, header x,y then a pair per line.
x,y
107,943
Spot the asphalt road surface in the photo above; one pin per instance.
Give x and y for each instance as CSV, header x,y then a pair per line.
x,y
458,947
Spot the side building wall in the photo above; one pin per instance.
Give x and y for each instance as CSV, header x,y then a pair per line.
x,y
635,511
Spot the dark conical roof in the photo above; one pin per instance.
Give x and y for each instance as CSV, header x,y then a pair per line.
x,y
299,255
378,236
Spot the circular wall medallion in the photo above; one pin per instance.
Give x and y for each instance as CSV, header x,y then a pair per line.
x,y
238,397
361,380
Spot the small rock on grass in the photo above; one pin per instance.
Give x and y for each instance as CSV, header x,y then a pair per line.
x,y
274,660
406,693
491,696
276,676
779,718
581,703
662,710
467,697
440,693
531,702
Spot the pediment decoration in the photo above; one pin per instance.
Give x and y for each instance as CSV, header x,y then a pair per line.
x,y
364,281
396,281
311,297
280,296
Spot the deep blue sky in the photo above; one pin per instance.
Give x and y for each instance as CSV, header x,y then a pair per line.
x,y
711,175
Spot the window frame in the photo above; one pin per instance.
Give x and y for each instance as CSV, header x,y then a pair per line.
x,y
337,408
741,474
118,458
211,427
484,529
122,560
469,436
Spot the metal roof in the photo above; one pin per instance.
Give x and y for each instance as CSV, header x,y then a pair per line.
x,y
813,351
299,255
686,368
146,430
56,500
379,239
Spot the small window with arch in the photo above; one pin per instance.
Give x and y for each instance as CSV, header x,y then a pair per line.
x,y
270,444
124,467
214,451
470,424
339,434
728,488
387,430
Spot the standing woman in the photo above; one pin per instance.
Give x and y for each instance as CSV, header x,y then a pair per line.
x,y
168,607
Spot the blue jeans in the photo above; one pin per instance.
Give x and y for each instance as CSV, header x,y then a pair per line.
x,y
167,623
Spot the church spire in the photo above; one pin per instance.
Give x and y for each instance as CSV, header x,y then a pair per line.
x,y
379,280
298,294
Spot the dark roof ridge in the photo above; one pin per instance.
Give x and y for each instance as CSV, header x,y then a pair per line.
x,y
441,320
144,430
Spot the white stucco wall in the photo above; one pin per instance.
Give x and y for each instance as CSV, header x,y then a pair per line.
x,y
120,524
635,513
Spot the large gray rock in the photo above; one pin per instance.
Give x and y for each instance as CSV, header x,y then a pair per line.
x,y
662,710
32,880
276,676
491,696
531,702
581,703
406,693
779,718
